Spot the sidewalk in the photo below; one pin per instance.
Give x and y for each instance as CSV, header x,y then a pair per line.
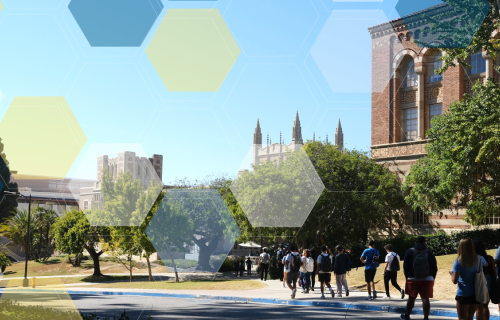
x,y
276,294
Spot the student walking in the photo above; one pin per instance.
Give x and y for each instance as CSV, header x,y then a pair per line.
x,y
420,269
483,312
464,274
314,256
293,263
391,269
305,270
236,267
264,260
370,258
249,266
279,262
324,263
340,269
242,266
285,270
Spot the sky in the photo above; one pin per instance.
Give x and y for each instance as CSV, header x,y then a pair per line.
x,y
313,57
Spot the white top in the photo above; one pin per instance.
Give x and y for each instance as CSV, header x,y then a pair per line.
x,y
309,264
289,259
262,255
319,260
389,257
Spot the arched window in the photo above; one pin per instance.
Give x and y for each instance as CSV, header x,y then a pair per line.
x,y
417,34
409,76
478,63
436,64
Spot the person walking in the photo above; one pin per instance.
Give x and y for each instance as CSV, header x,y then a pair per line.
x,y
370,258
314,256
236,267
293,263
305,274
464,274
391,269
340,269
324,263
285,270
242,266
264,260
420,270
490,273
279,261
249,266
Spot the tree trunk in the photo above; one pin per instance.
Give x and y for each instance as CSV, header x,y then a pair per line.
x,y
39,254
130,267
149,268
95,257
48,252
206,251
175,268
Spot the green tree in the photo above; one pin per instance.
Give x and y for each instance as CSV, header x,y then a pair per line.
x,y
15,228
462,166
73,234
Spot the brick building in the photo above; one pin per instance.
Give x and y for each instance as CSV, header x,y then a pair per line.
x,y
406,94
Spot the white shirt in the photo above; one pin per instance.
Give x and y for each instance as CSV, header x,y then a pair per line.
x,y
289,259
262,255
319,260
309,264
389,257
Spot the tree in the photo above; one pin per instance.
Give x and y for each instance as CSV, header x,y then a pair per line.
x,y
462,166
8,203
73,234
16,228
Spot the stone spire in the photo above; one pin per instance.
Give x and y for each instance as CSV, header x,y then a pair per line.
x,y
280,138
339,137
257,136
297,131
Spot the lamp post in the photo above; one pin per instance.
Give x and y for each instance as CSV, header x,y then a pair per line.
x,y
25,280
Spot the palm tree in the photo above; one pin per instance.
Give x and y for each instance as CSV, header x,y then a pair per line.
x,y
15,228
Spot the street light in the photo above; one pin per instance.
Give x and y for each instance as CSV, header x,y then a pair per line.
x,y
25,280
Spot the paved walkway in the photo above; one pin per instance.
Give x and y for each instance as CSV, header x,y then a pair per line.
x,y
275,293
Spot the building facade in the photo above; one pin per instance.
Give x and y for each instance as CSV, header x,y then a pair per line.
x,y
141,168
276,151
406,94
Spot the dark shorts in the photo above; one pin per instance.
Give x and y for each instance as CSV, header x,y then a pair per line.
x,y
423,288
292,277
466,300
370,274
325,277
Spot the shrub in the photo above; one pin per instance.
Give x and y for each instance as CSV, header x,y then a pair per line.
x,y
227,265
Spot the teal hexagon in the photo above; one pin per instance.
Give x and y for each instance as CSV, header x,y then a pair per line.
x,y
193,50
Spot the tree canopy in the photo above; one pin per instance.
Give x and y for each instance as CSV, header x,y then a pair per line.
x,y
462,166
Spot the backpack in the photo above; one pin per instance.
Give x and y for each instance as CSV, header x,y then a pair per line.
x,y
309,264
326,264
395,263
280,255
420,264
265,258
376,258
296,263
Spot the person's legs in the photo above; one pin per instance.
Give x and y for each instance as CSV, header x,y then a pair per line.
x,y
426,305
410,304
266,269
485,311
387,278
280,271
308,281
344,283
313,280
302,279
338,280
261,272
394,281
284,278
470,312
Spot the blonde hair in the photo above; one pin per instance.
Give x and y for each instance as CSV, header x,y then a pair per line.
x,y
466,253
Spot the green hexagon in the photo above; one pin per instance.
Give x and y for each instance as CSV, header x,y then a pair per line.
x,y
193,50
42,136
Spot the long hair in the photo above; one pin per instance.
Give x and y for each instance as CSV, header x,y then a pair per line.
x,y
480,249
466,253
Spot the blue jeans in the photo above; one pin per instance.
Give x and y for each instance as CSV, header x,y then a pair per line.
x,y
306,280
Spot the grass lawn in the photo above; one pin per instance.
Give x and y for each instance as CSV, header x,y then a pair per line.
x,y
444,289
236,285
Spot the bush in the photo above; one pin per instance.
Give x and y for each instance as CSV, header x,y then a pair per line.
x,y
227,265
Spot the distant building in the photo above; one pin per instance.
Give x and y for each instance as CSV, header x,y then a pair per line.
x,y
141,168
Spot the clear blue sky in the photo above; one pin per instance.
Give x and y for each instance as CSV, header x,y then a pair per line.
x,y
311,56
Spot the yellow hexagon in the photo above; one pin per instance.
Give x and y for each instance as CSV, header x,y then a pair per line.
x,y
1,6
193,50
41,136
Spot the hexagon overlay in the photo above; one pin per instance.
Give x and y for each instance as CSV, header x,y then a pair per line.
x,y
281,190
42,135
1,6
115,23
118,183
193,50
443,24
193,224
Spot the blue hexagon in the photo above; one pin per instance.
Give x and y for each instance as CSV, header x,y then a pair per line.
x,y
192,229
115,23
442,24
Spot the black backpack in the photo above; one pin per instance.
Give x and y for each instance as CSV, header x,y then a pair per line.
x,y
326,264
280,256
395,263
296,263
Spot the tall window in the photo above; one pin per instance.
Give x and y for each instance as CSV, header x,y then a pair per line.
x,y
85,205
419,217
410,124
437,64
435,110
478,63
410,79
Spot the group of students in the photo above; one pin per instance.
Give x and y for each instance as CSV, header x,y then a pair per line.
x,y
293,267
